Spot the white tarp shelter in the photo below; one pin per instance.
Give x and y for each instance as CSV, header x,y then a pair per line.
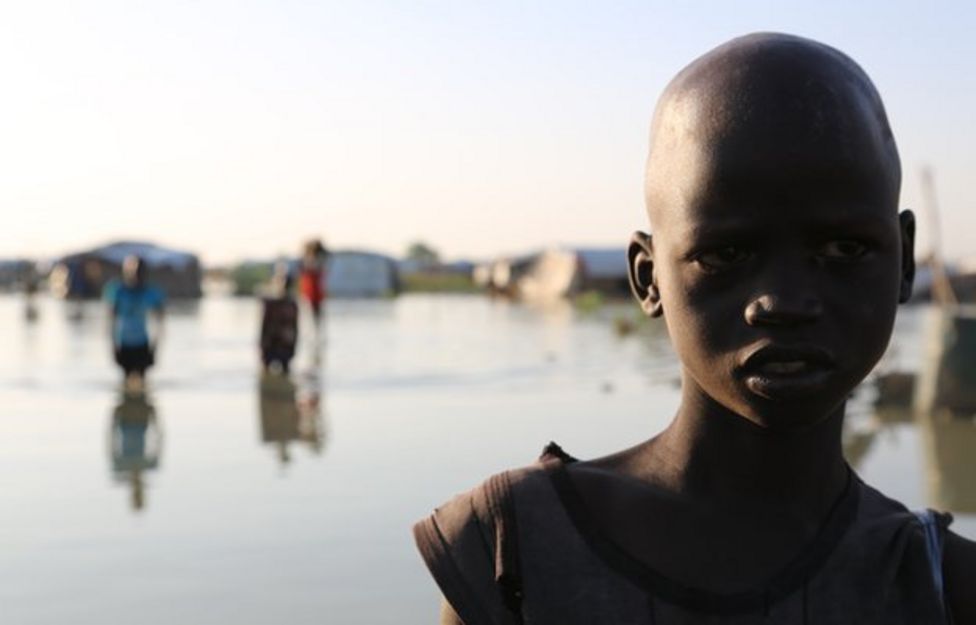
x,y
563,272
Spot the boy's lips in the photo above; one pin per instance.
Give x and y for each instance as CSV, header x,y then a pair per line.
x,y
781,372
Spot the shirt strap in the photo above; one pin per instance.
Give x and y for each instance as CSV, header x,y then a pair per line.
x,y
932,529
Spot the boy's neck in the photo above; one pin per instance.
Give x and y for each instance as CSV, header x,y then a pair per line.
x,y
712,453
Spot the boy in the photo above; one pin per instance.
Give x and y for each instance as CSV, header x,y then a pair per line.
x,y
777,261
130,302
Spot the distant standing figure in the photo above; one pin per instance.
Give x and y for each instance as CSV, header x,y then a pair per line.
x,y
130,301
312,279
30,292
279,322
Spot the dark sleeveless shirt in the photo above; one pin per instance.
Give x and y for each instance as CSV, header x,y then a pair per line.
x,y
522,549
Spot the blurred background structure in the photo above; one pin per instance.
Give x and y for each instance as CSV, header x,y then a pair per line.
x,y
483,130
475,172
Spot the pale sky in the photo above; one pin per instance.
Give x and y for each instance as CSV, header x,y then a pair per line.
x,y
238,128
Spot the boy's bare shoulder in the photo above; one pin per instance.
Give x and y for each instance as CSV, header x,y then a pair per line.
x,y
960,571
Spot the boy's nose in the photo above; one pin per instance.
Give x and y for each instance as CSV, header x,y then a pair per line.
x,y
777,309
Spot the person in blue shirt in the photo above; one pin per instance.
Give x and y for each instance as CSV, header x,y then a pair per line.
x,y
131,300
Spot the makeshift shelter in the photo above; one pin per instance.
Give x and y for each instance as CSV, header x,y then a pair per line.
x,y
564,272
14,274
362,274
502,276
84,274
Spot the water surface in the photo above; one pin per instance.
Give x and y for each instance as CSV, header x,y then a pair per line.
x,y
223,498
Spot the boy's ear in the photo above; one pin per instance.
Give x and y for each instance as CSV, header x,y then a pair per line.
x,y
640,271
906,222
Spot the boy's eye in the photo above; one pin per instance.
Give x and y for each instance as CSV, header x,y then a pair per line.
x,y
843,249
722,257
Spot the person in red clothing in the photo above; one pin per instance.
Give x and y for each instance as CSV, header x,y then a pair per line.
x,y
312,277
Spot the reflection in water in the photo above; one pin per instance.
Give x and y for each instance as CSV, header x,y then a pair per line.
x,y
948,439
947,377
31,287
75,311
291,413
424,382
135,443
948,442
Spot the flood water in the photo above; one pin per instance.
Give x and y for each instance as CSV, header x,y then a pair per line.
x,y
222,498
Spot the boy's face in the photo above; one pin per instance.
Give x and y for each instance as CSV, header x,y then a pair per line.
x,y
777,256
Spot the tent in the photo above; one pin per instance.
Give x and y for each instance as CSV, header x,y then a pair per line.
x,y
362,274
563,272
84,274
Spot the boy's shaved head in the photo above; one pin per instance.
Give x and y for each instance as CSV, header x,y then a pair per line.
x,y
778,96
778,256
